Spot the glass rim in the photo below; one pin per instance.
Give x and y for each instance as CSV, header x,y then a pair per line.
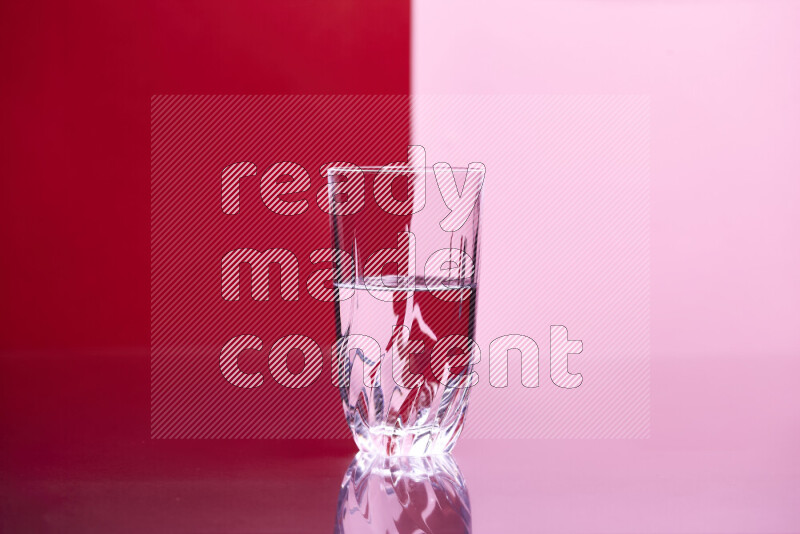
x,y
374,169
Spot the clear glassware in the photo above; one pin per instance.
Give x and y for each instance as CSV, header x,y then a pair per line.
x,y
396,495
406,302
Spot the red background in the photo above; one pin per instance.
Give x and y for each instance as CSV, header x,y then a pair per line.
x,y
77,82
77,85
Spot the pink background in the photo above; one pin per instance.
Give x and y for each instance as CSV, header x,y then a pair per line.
x,y
565,223
725,298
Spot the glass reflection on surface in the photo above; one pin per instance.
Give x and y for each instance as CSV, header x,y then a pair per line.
x,y
403,495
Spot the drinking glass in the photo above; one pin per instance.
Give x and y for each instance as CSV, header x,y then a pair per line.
x,y
405,280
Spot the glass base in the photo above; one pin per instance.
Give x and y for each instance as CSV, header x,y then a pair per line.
x,y
418,441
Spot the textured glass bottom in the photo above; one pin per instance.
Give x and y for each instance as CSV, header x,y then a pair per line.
x,y
416,441
403,495
402,397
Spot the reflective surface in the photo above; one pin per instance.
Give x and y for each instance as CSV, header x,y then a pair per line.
x,y
398,495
